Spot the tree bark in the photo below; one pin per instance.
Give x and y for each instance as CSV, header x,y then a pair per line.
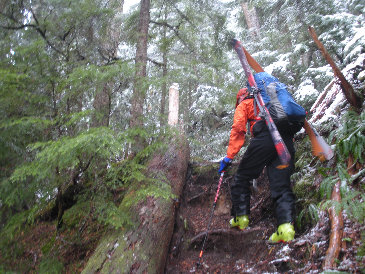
x,y
144,248
108,50
102,103
164,76
347,89
173,118
251,20
140,86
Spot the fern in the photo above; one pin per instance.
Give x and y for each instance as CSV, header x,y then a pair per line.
x,y
350,142
309,214
351,137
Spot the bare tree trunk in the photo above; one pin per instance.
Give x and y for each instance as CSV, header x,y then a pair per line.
x,y
173,118
140,86
164,75
251,20
109,47
347,89
188,101
102,103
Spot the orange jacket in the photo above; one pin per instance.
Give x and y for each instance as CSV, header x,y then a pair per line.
x,y
243,113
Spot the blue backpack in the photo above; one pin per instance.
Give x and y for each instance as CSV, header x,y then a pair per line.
x,y
286,113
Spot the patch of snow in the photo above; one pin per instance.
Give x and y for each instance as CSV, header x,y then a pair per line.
x,y
305,89
332,100
278,65
361,76
280,260
175,86
318,244
346,264
300,47
356,44
284,251
329,106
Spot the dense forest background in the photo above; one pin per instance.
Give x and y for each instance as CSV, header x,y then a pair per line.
x,y
84,97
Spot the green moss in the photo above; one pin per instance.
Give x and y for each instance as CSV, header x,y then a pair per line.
x,y
47,247
73,216
123,249
304,189
50,265
203,168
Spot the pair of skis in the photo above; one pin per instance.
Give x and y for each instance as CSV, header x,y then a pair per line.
x,y
319,146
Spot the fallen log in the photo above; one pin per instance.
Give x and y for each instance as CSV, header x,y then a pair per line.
x,y
336,231
143,248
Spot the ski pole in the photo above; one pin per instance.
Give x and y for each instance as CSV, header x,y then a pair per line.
x,y
210,220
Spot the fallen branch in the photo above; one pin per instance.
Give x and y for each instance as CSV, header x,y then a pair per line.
x,y
347,89
336,231
263,199
201,195
225,232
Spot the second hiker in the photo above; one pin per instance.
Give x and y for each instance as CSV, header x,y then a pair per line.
x,y
260,152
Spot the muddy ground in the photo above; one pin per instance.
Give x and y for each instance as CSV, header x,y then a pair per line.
x,y
232,251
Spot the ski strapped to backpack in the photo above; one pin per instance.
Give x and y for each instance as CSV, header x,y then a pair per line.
x,y
320,148
287,114
280,146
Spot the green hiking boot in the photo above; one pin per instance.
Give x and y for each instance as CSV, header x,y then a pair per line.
x,y
241,222
285,233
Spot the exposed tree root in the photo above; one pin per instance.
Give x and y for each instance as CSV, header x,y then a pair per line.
x,y
260,202
226,234
201,196
336,231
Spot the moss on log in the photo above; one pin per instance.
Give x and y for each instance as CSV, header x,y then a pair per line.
x,y
144,248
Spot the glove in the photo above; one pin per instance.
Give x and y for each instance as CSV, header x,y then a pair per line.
x,y
226,162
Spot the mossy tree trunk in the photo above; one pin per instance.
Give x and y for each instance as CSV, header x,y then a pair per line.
x,y
144,248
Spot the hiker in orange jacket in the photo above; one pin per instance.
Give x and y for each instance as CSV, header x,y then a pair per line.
x,y
260,152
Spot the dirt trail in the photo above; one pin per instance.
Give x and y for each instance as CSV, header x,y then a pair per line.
x,y
229,250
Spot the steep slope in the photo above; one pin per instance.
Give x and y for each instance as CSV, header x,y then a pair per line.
x,y
232,251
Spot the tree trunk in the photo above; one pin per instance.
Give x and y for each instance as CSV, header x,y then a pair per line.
x,y
140,86
102,103
164,76
144,248
173,118
251,20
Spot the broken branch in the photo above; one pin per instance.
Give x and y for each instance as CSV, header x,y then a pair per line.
x,y
347,89
336,231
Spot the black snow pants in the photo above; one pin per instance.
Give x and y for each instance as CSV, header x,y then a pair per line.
x,y
261,152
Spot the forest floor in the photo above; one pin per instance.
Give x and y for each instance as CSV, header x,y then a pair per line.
x,y
40,249
232,251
